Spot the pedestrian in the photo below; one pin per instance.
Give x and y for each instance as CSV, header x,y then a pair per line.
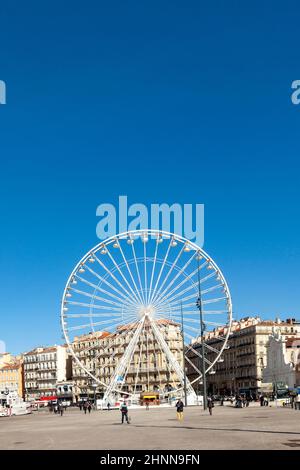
x,y
179,408
108,406
147,405
124,412
210,405
80,405
89,407
266,402
222,401
262,400
297,402
61,409
292,401
85,407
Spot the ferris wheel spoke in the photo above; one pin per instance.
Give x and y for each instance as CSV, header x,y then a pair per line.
x,y
104,291
171,372
139,360
130,273
178,318
170,356
191,296
102,279
123,277
194,285
126,365
138,272
213,301
93,315
193,365
184,281
153,268
110,273
180,272
212,323
211,348
99,307
145,272
190,348
214,312
157,357
160,272
88,325
168,274
196,312
92,296
122,363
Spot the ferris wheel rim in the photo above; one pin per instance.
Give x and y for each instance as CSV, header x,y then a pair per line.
x,y
137,232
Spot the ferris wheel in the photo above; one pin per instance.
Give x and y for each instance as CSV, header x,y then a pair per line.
x,y
131,290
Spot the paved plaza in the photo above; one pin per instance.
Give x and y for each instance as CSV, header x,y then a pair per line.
x,y
228,428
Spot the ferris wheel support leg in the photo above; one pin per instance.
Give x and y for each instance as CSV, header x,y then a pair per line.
x,y
174,363
123,364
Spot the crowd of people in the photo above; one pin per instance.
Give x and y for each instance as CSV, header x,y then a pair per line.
x,y
60,407
239,401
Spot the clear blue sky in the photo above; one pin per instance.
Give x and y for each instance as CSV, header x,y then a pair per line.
x,y
165,101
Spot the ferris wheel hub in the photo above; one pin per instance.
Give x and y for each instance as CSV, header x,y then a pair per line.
x,y
147,311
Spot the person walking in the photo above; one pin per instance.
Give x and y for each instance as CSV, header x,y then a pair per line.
x,y
179,409
262,400
297,402
85,407
124,412
108,406
210,405
89,407
61,409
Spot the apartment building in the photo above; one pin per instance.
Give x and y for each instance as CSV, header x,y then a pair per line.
x,y
11,376
43,368
241,367
149,369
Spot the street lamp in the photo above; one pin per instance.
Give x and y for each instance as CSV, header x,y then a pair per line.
x,y
94,385
183,357
202,328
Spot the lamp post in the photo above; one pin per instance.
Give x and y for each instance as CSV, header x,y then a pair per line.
x,y
202,328
94,385
183,357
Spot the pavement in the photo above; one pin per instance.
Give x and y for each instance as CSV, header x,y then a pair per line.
x,y
156,429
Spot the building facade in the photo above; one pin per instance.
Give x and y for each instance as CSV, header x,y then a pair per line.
x,y
43,368
282,369
241,367
12,377
148,370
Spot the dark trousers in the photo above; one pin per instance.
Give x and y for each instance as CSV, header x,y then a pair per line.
x,y
125,416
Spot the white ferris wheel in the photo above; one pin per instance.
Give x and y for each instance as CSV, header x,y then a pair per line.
x,y
128,286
